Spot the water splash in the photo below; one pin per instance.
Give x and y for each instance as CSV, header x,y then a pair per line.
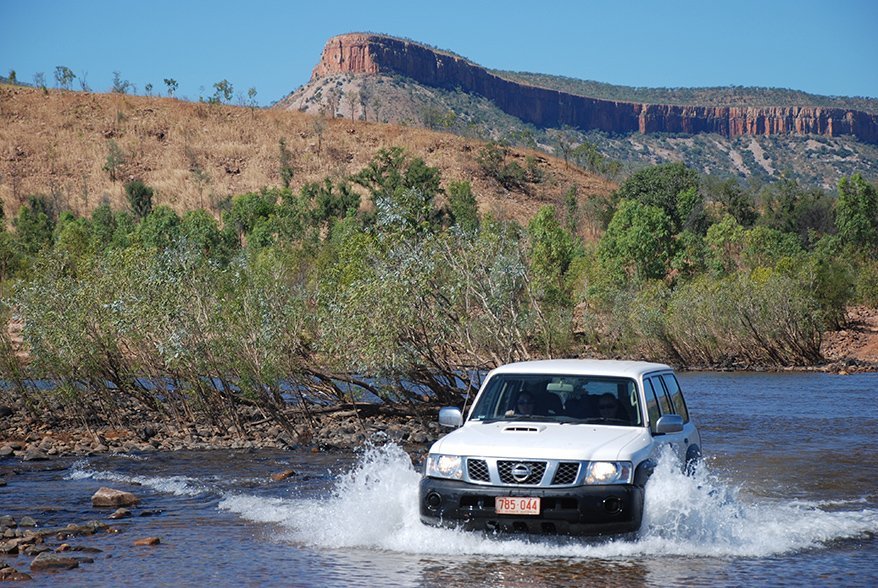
x,y
375,506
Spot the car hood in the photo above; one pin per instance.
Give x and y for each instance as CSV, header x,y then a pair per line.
x,y
535,440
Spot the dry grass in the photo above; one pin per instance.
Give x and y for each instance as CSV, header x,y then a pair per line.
x,y
195,155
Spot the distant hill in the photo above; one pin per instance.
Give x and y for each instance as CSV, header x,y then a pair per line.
x,y
197,155
732,131
716,96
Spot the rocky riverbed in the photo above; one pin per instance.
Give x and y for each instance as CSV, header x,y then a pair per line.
x,y
29,439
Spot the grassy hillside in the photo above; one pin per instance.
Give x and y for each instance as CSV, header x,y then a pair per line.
x,y
70,145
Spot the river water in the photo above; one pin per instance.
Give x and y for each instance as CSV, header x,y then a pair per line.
x,y
788,497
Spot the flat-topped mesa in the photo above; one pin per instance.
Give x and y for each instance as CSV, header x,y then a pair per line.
x,y
363,53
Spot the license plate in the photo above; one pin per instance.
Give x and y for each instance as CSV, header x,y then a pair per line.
x,y
516,505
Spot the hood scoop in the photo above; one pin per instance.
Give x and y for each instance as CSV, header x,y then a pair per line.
x,y
522,429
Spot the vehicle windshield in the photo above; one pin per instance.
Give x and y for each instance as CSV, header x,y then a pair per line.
x,y
562,399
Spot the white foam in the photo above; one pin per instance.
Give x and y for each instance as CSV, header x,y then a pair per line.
x,y
375,506
176,485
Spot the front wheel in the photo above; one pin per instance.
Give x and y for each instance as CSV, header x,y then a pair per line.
x,y
693,460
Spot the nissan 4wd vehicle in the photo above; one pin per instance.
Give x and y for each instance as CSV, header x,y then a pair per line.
x,y
562,446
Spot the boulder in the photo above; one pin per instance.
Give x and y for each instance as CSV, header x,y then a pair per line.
x,y
115,498
121,513
53,561
27,522
34,454
6,450
9,574
277,477
148,541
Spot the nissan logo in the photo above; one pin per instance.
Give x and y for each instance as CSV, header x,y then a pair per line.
x,y
521,472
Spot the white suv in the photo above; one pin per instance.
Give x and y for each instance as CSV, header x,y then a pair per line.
x,y
562,446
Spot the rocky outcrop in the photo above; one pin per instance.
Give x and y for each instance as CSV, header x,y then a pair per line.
x,y
371,54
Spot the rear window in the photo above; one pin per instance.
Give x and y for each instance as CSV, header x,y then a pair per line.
x,y
676,395
663,399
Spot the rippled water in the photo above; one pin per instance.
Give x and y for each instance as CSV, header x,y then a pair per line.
x,y
788,497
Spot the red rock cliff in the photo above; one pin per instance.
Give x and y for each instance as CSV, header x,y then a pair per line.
x,y
369,54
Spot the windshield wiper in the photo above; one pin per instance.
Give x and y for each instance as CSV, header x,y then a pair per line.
x,y
597,420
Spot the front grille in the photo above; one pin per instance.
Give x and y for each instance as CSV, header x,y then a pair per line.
x,y
565,474
505,469
477,470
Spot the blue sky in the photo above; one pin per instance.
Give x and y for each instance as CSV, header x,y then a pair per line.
x,y
824,47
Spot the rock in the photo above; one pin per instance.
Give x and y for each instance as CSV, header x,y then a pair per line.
x,y
277,477
111,497
150,513
7,521
34,454
5,411
8,574
6,450
27,522
148,541
48,561
33,550
121,513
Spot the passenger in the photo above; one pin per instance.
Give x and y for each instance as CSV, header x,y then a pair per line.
x,y
525,404
609,408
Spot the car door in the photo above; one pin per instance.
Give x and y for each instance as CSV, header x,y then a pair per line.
x,y
659,404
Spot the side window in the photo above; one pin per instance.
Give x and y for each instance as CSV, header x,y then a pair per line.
x,y
652,404
676,396
662,397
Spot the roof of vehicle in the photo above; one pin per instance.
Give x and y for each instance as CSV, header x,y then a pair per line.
x,y
582,367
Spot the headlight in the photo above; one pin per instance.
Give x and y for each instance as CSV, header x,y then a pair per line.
x,y
444,466
608,472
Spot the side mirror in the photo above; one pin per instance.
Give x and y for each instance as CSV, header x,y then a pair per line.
x,y
670,423
450,417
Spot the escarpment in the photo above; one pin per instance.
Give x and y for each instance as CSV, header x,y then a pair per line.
x,y
372,54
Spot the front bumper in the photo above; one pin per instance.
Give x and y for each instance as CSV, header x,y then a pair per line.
x,y
579,510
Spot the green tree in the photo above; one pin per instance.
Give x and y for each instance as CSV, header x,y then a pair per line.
x,y
103,226
34,225
856,212
725,241
73,236
661,186
766,247
160,229
139,197
64,76
120,86
171,83
115,160
732,199
552,250
223,91
403,190
791,208
463,206
202,230
638,241
248,210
